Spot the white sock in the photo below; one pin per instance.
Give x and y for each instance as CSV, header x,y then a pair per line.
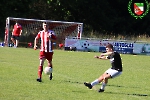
x,y
95,82
16,43
51,69
103,85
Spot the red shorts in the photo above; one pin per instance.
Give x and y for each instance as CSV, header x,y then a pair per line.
x,y
46,55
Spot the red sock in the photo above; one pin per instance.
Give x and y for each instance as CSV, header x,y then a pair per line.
x,y
40,70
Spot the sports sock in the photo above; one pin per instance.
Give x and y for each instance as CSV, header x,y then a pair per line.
x,y
103,85
40,72
94,82
51,69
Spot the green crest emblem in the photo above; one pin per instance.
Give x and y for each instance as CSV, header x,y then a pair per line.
x,y
139,9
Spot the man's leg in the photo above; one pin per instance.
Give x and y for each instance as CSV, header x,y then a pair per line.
x,y
104,77
13,40
104,81
51,69
17,42
95,82
40,69
49,57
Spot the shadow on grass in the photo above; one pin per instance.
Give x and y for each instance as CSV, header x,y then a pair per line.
x,y
122,86
73,82
107,85
134,94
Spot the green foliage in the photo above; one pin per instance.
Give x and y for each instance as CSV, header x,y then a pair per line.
x,y
104,16
18,73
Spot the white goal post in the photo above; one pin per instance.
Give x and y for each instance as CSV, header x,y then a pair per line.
x,y
30,28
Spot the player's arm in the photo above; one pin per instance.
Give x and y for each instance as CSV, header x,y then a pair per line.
x,y
103,55
35,43
20,32
13,32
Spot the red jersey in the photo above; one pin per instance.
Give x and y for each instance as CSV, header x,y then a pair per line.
x,y
46,44
17,29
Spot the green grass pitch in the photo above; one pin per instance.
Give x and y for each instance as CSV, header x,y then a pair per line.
x,y
18,73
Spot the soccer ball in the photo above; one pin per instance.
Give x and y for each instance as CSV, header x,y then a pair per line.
x,y
85,44
47,70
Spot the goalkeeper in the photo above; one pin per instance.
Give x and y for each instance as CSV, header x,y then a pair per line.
x,y
16,33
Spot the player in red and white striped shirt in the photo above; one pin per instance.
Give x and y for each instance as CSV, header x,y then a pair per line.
x,y
46,51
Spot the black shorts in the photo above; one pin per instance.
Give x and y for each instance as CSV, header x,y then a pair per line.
x,y
15,37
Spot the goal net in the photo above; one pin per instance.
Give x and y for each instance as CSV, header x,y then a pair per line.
x,y
30,28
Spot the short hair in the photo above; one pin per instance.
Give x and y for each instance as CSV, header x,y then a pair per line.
x,y
110,46
45,23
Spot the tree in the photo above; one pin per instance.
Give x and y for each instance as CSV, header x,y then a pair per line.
x,y
104,16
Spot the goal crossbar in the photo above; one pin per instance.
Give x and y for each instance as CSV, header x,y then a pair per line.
x,y
32,26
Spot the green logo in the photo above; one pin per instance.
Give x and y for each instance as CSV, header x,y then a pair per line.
x,y
139,11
